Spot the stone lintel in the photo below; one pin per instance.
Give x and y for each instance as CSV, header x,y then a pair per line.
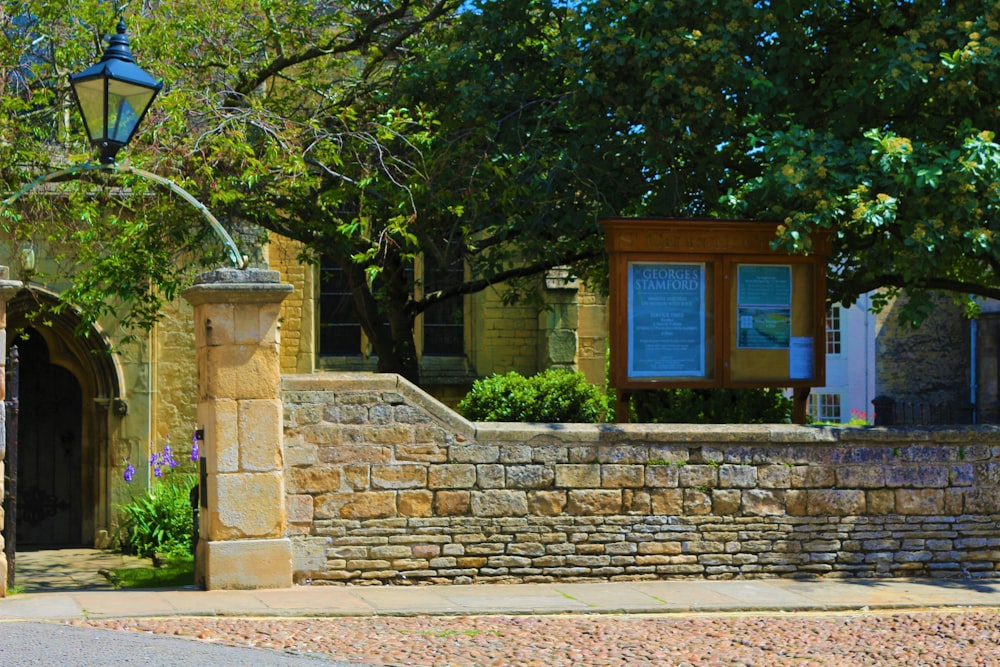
x,y
247,564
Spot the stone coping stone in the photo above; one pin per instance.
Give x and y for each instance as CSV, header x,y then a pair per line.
x,y
237,286
711,434
384,382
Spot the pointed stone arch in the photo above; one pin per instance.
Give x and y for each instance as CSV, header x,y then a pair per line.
x,y
83,352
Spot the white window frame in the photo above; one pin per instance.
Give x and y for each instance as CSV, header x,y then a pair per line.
x,y
826,406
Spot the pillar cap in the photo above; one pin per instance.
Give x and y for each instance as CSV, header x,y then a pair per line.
x,y
231,275
237,286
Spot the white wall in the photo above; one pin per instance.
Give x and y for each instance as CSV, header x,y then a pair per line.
x,y
851,374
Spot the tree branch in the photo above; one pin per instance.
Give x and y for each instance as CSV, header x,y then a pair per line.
x,y
250,81
473,286
932,283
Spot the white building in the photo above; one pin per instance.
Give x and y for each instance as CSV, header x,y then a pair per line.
x,y
850,366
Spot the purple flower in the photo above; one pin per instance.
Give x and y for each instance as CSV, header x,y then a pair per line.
x,y
194,446
129,472
157,471
168,456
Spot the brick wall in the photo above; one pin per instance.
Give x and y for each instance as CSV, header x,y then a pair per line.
x,y
297,311
384,484
504,337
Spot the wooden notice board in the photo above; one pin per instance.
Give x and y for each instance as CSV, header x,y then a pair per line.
x,y
709,303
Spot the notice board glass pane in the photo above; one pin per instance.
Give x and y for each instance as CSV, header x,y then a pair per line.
x,y
670,315
772,336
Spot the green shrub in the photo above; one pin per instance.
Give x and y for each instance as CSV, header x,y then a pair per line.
x,y
711,406
552,396
160,520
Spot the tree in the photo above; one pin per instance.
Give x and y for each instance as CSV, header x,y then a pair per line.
x,y
372,133
456,150
872,119
375,132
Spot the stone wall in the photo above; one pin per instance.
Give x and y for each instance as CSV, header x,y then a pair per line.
x,y
384,484
174,381
928,365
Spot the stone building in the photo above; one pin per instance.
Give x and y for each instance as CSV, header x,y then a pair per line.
x,y
480,336
91,404
945,371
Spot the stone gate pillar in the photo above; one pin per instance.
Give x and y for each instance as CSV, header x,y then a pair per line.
x,y
8,288
242,541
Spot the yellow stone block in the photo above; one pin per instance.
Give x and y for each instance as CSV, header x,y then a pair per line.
x,y
313,479
246,505
219,418
300,509
255,323
415,503
217,324
240,372
260,433
247,564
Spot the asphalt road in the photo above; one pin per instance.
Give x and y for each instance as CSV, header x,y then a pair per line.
x,y
25,644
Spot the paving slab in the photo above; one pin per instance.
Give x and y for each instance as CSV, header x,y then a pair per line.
x,y
39,606
734,595
78,596
508,598
898,593
314,600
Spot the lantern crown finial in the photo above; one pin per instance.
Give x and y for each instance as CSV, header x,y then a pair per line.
x,y
118,45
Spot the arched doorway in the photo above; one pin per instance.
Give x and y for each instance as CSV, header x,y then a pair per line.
x,y
69,387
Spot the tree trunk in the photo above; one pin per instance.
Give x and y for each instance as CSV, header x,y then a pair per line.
x,y
394,345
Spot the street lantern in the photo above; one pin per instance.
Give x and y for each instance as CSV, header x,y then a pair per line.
x,y
113,96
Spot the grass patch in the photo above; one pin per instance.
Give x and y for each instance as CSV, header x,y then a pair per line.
x,y
172,573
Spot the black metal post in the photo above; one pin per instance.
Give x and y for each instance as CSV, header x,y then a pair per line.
x,y
10,470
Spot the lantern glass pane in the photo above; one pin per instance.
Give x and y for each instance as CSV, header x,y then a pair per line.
x,y
126,104
90,94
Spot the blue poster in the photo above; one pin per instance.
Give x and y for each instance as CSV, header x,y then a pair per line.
x,y
666,327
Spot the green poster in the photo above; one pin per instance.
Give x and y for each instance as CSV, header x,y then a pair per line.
x,y
764,306
764,285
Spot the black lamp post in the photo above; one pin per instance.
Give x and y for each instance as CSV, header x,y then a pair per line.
x,y
113,96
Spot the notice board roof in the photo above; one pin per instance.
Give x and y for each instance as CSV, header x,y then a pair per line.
x,y
709,235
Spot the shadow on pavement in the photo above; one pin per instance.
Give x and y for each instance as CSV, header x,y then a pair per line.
x,y
64,570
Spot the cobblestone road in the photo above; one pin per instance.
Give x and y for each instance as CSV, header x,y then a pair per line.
x,y
959,638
